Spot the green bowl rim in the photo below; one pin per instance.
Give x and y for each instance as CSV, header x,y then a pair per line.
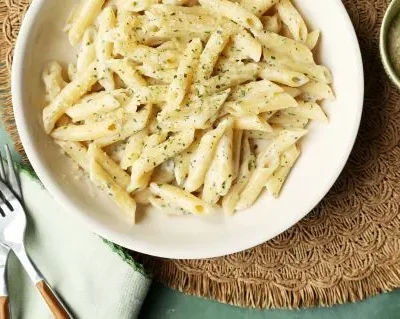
x,y
386,61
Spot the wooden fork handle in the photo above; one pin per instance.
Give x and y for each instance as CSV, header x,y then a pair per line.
x,y
56,308
4,308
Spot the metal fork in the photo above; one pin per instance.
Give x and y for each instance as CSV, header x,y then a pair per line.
x,y
12,231
12,180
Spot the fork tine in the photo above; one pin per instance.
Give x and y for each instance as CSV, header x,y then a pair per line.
x,y
7,193
2,171
12,174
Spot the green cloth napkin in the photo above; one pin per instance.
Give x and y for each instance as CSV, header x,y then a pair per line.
x,y
95,278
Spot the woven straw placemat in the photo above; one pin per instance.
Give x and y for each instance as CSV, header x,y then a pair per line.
x,y
348,248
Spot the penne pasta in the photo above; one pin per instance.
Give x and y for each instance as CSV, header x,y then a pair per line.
x,y
201,159
186,105
184,75
112,168
312,39
104,181
210,54
293,20
180,198
308,110
234,12
287,160
76,151
71,93
219,177
83,17
85,132
258,7
151,158
247,166
271,23
53,80
104,49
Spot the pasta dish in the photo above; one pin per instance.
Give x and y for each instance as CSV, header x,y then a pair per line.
x,y
186,105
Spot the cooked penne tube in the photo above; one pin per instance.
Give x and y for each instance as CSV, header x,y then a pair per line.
x,y
184,75
276,102
201,159
132,123
284,140
71,93
261,134
287,160
226,80
112,168
285,46
142,196
104,181
285,121
247,165
127,72
271,23
283,75
76,151
258,7
236,152
151,158
312,39
53,80
85,132
253,90
234,12
176,10
141,182
318,91
164,173
315,72
198,114
210,54
252,122
82,18
104,48
94,103
137,5
166,207
87,53
133,149
182,161
153,94
255,185
309,110
71,71
167,58
180,198
219,177
244,45
157,72
293,92
293,20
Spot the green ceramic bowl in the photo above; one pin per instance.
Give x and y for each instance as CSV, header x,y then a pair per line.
x,y
392,12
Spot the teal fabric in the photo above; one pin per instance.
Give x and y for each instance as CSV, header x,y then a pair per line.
x,y
163,303
95,278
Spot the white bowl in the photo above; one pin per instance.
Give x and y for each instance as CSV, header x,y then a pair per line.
x,y
324,151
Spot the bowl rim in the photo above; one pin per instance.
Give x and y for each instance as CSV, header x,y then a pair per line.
x,y
388,18
94,225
